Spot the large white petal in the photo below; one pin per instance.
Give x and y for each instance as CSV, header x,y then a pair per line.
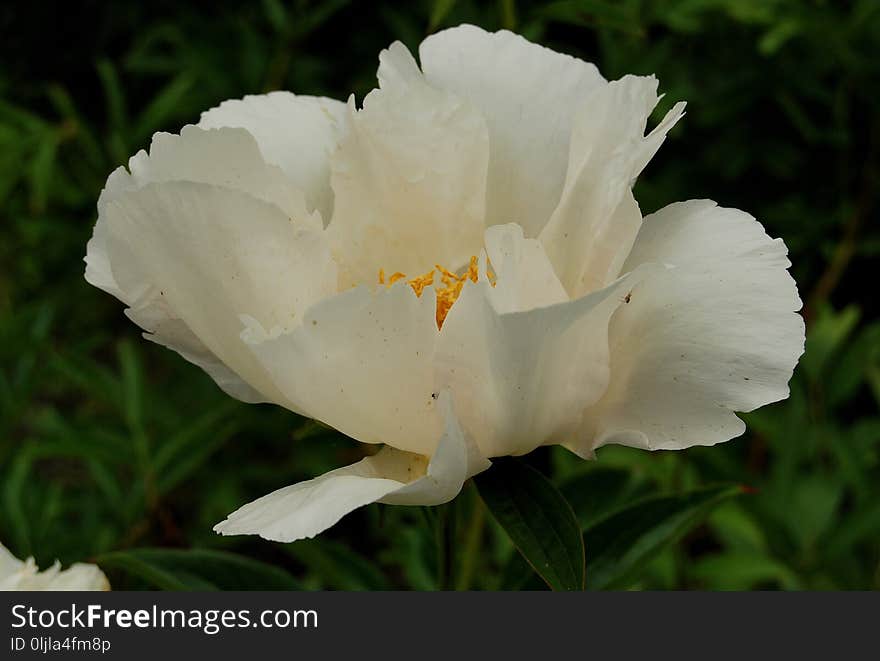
x,y
228,158
597,219
529,96
522,379
191,259
297,133
391,476
225,157
715,333
409,177
362,363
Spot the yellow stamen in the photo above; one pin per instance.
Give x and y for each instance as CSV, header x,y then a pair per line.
x,y
452,284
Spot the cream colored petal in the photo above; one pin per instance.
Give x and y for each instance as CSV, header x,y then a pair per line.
x,y
529,96
79,577
227,157
10,568
524,277
522,379
361,362
18,575
192,258
409,178
296,133
593,228
391,476
715,333
164,328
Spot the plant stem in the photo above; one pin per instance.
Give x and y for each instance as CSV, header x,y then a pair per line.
x,y
440,543
472,544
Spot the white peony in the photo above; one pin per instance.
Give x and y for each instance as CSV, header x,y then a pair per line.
x,y
458,270
16,574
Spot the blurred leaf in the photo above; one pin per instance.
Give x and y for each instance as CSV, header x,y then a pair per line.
x,y
810,512
744,571
315,17
596,493
826,336
618,16
736,528
847,373
197,569
439,11
338,566
115,98
412,551
776,37
537,518
618,545
277,15
518,574
13,505
161,109
43,169
192,445
863,525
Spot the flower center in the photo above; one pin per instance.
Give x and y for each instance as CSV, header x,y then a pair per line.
x,y
448,293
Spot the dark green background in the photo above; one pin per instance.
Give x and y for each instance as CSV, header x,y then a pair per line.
x,y
109,443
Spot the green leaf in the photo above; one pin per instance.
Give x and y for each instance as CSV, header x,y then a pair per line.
x,y
538,519
518,575
828,334
190,447
338,566
161,108
197,569
597,492
439,12
742,570
620,544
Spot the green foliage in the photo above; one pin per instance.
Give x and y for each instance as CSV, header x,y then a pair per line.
x,y
538,519
174,569
115,449
625,540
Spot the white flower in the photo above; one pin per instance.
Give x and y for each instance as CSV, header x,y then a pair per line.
x,y
287,245
25,575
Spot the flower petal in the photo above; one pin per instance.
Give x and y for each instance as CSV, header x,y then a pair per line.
x,y
18,575
391,476
529,95
522,379
362,363
9,564
409,177
227,157
597,219
296,133
190,258
716,333
78,577
524,277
